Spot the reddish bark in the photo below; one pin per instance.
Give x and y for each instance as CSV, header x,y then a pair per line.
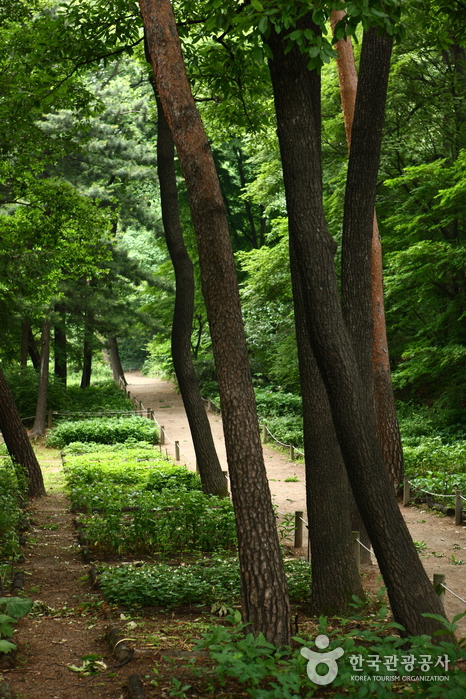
x,y
265,600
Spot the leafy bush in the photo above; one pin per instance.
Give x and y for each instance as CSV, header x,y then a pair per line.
x,y
13,490
269,672
106,396
173,478
287,430
209,581
92,471
24,384
168,522
277,403
102,430
432,455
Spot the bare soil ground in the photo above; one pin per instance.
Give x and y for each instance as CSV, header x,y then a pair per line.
x,y
72,619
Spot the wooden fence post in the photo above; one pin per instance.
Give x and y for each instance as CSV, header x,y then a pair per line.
x,y
291,452
298,530
177,451
264,434
459,507
162,434
439,580
406,491
357,550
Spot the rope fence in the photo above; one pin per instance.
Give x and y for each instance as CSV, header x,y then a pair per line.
x,y
457,511
266,433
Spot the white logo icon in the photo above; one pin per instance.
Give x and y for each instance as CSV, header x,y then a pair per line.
x,y
329,659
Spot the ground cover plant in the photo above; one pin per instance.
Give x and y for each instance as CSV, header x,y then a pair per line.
x,y
13,493
102,430
214,581
137,502
370,645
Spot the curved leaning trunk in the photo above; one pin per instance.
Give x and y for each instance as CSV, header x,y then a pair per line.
x,y
264,592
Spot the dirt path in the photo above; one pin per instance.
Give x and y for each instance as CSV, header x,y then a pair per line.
x,y
441,537
72,618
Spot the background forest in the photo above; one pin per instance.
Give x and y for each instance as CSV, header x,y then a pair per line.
x,y
83,248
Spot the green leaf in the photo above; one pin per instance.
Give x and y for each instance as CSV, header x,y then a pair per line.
x,y
16,607
257,5
6,646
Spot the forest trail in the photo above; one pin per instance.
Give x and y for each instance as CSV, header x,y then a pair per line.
x,y
167,404
442,544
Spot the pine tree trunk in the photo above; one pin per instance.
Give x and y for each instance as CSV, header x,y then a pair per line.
x,y
88,346
40,420
264,593
60,345
387,422
115,361
409,589
327,488
210,471
24,342
17,442
32,348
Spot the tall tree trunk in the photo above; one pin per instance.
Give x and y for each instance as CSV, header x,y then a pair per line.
x,y
32,348
210,471
264,592
24,342
327,489
115,361
17,442
60,344
38,428
409,589
88,346
388,431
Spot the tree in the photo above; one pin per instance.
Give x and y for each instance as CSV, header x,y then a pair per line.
x,y
38,428
265,601
353,281
17,442
213,480
409,589
327,489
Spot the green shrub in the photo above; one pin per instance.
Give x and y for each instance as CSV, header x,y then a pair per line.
x,y
288,430
170,522
432,455
13,491
102,430
106,396
210,581
173,478
92,471
269,672
24,384
272,404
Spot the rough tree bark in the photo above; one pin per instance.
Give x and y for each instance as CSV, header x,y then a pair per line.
x,y
264,593
327,488
60,344
38,428
17,441
388,431
88,345
210,470
115,361
409,589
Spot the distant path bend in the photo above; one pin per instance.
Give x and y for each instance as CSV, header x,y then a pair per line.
x,y
167,404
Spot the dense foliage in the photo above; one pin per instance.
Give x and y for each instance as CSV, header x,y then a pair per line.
x,y
13,493
103,430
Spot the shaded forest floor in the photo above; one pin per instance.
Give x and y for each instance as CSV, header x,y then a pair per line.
x,y
71,618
